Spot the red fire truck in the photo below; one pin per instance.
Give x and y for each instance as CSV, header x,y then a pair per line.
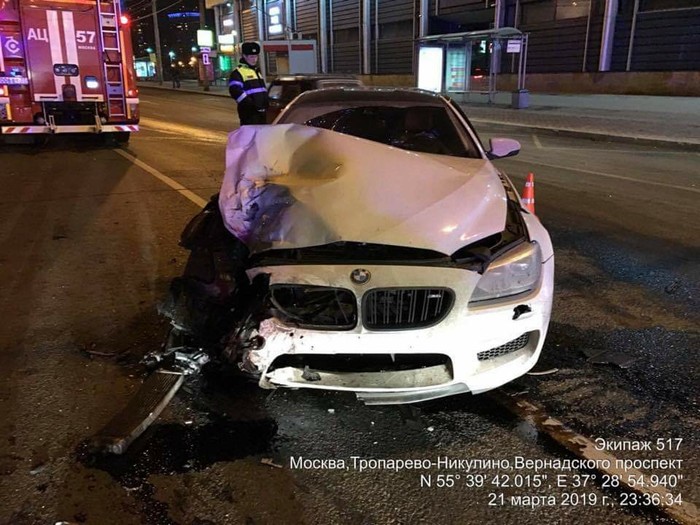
x,y
66,66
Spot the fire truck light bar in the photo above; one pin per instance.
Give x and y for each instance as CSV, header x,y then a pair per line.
x,y
13,81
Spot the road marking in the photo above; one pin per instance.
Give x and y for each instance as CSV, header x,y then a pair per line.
x,y
199,201
143,138
177,135
143,101
185,131
610,175
537,142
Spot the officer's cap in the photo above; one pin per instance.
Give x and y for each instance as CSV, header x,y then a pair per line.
x,y
250,48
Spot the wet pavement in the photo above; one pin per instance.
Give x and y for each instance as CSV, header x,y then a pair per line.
x,y
88,245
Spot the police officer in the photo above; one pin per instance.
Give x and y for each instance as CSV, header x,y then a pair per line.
x,y
247,86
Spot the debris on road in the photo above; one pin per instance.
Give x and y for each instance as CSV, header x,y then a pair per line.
x,y
38,469
611,357
143,409
331,410
191,363
269,462
605,463
544,372
101,354
673,287
89,349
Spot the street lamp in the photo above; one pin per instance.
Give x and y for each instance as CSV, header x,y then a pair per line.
x,y
171,54
195,49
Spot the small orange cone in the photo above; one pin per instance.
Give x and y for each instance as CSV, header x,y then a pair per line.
x,y
528,198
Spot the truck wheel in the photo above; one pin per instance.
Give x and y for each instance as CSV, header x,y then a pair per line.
x,y
122,137
41,141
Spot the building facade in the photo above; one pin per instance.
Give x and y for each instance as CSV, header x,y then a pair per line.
x,y
565,36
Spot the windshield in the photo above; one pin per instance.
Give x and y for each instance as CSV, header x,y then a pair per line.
x,y
424,129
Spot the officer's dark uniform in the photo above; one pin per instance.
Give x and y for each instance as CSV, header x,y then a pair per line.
x,y
247,87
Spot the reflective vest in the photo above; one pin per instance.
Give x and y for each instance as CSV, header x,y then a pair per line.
x,y
247,86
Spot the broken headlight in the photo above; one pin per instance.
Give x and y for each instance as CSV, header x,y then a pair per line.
x,y
515,272
318,307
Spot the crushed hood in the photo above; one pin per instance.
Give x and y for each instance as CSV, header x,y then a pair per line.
x,y
294,186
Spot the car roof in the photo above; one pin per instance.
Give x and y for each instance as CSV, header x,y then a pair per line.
x,y
370,94
315,76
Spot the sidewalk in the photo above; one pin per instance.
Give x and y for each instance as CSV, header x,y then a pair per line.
x,y
648,119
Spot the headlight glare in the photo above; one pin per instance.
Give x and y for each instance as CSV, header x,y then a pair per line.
x,y
516,271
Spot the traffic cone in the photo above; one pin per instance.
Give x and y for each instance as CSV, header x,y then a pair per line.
x,y
528,198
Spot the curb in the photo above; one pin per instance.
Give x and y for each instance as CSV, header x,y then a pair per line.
x,y
601,136
181,90
571,132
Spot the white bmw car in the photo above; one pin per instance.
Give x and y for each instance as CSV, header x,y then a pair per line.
x,y
379,251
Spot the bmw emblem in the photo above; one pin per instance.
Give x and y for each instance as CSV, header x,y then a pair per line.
x,y
360,276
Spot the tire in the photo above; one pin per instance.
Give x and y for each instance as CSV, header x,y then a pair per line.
x,y
122,137
41,141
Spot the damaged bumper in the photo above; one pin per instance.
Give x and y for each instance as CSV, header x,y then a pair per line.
x,y
469,349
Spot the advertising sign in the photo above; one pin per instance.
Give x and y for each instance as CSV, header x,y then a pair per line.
x,y
205,38
456,73
513,46
430,68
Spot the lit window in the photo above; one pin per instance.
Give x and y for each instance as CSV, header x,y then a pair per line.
x,y
572,8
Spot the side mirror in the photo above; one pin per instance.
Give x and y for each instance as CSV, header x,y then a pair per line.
x,y
501,148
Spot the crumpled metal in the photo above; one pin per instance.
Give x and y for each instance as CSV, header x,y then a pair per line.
x,y
294,186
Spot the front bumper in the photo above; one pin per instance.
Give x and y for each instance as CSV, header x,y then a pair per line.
x,y
459,338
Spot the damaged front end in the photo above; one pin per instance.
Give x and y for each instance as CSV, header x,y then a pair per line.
x,y
307,275
358,317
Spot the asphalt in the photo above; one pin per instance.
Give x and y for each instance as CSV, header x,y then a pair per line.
x,y
650,120
89,243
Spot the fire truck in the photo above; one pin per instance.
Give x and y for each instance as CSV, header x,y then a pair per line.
x,y
66,66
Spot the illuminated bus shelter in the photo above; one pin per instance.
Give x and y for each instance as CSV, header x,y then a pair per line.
x,y
464,63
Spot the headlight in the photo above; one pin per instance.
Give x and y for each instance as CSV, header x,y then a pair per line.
x,y
516,271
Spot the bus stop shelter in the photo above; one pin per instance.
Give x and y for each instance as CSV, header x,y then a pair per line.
x,y
464,63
